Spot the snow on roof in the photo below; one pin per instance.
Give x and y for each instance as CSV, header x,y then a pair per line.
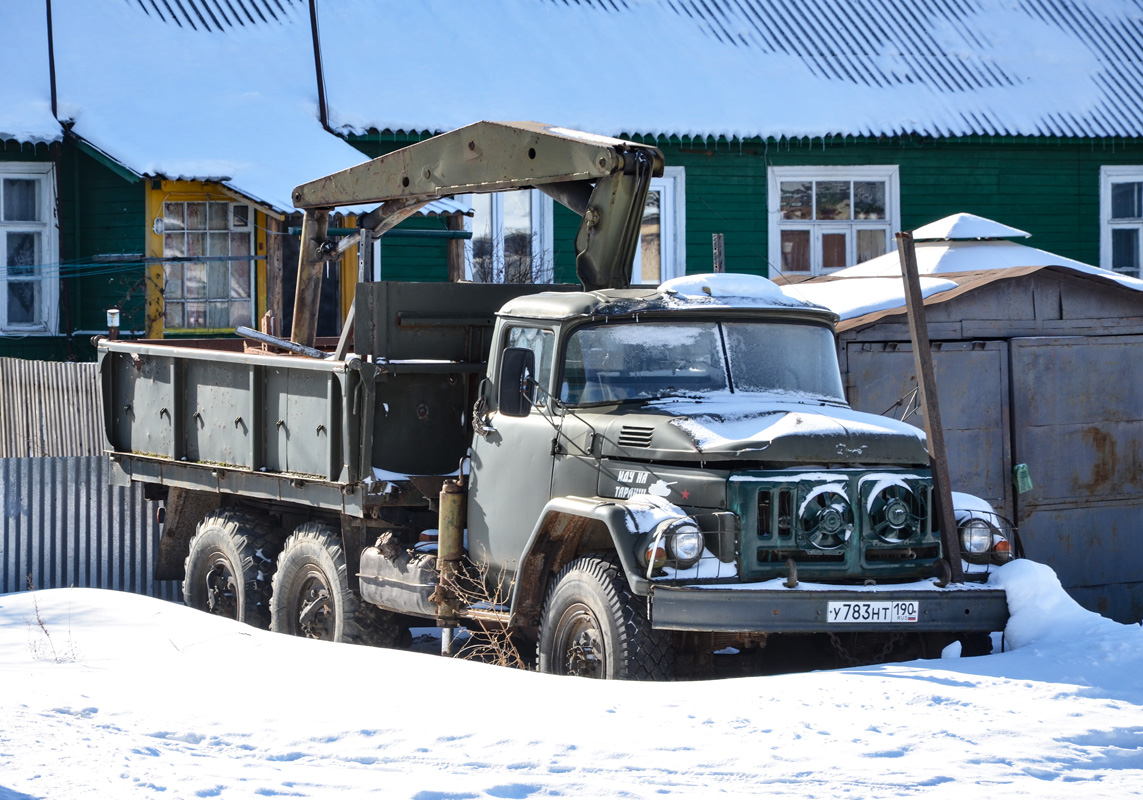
x,y
876,285
225,91
25,91
858,297
967,226
752,68
946,257
722,285
236,106
723,292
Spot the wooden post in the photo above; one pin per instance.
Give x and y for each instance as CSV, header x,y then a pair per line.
x,y
719,253
365,257
310,260
927,384
455,222
275,229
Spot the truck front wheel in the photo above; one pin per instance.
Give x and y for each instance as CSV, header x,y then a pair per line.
x,y
312,598
228,567
594,627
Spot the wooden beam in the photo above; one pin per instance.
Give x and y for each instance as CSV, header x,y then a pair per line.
x,y
312,256
275,230
927,383
455,222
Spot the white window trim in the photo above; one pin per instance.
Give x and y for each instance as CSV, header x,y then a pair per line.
x,y
543,231
672,188
890,173
247,229
1107,176
49,251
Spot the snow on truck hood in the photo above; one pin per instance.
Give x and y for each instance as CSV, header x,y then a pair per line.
x,y
771,427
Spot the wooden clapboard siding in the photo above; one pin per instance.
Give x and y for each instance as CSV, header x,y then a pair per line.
x,y
1048,187
109,219
100,214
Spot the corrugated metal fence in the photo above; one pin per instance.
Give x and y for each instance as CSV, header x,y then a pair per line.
x,y
64,526
49,408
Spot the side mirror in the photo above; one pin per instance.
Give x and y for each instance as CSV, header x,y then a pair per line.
x,y
517,381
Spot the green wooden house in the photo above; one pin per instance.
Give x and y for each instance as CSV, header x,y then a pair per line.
x,y
162,194
807,132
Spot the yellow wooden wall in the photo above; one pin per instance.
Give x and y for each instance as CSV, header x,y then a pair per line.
x,y
161,191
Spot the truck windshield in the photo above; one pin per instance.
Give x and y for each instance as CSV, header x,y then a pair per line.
x,y
651,360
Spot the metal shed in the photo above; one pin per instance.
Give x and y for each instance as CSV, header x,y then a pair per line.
x,y
1036,365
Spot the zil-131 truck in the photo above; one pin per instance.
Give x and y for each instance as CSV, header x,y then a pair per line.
x,y
625,480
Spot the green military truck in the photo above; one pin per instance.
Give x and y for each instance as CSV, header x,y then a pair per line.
x,y
627,480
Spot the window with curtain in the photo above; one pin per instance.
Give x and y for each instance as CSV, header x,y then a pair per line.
x,y
211,284
1121,213
29,252
827,218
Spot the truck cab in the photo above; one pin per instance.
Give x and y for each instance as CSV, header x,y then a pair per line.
x,y
704,424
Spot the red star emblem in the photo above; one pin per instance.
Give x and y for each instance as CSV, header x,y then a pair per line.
x,y
686,495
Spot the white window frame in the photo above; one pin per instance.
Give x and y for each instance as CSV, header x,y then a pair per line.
x,y
672,188
890,173
48,227
1107,176
247,229
542,233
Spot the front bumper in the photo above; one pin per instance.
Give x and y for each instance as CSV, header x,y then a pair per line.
x,y
775,609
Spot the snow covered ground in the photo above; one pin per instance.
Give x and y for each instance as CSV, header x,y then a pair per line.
x,y
150,699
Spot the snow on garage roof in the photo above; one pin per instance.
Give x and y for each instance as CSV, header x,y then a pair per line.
x,y
769,68
943,266
964,245
25,91
967,226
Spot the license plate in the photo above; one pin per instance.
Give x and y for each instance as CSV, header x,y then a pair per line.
x,y
900,611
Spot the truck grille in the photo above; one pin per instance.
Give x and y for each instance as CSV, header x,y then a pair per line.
x,y
635,436
903,553
844,524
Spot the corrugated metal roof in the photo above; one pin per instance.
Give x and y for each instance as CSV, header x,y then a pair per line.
x,y
446,207
744,68
884,43
217,15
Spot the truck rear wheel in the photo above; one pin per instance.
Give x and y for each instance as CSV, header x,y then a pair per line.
x,y
594,627
229,566
312,598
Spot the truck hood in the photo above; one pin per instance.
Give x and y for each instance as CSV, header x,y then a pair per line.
x,y
761,428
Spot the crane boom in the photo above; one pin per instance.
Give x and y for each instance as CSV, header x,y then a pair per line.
x,y
604,180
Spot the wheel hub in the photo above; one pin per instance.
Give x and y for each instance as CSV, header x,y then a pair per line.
x,y
579,639
221,590
582,660
314,612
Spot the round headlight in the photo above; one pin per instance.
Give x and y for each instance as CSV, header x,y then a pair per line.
x,y
686,545
976,537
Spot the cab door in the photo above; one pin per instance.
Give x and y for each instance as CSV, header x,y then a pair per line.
x,y
511,476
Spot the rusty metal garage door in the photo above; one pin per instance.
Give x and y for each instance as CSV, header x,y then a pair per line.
x,y
972,384
1077,413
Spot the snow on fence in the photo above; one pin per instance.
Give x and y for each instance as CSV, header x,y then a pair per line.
x,y
64,526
